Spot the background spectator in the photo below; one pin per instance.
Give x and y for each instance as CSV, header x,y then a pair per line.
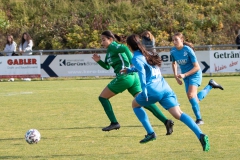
x,y
26,45
148,39
238,39
11,46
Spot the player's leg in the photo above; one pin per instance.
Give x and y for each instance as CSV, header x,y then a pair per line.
x,y
117,85
135,89
191,85
187,120
143,118
104,99
211,84
192,96
170,103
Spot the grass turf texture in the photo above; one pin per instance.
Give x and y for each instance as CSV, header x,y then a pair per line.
x,y
69,117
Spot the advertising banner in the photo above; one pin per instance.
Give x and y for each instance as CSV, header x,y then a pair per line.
x,y
224,61
72,65
20,67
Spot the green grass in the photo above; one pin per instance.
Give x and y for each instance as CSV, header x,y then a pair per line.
x,y
69,117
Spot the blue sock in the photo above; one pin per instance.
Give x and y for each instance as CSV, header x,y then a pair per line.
x,y
143,118
203,93
195,108
186,119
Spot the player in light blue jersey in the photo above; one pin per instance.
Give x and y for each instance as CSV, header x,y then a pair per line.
x,y
191,73
156,89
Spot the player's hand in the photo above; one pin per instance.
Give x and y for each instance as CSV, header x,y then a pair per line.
x,y
179,81
123,71
96,57
181,76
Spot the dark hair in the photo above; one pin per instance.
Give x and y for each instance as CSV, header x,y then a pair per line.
x,y
152,58
109,35
9,43
28,38
180,35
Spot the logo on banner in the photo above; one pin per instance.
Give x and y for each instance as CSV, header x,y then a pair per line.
x,y
75,62
62,62
21,61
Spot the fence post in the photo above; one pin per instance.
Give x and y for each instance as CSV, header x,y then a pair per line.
x,y
40,64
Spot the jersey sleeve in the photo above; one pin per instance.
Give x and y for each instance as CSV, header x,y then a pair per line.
x,y
172,57
139,66
121,48
104,64
192,55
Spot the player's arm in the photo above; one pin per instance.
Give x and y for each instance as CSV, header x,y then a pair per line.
x,y
174,68
121,48
139,65
196,66
97,59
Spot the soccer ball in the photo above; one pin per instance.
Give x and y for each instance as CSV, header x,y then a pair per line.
x,y
32,136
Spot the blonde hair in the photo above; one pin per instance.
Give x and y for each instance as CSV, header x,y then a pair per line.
x,y
151,37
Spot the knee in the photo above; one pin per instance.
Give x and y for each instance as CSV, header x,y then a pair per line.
x,y
102,99
190,95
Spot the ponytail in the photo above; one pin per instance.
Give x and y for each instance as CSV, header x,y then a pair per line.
x,y
152,58
115,37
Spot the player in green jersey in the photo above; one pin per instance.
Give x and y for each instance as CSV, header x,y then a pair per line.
x,y
119,56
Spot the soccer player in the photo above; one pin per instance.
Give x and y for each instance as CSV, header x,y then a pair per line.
x,y
119,56
156,89
191,73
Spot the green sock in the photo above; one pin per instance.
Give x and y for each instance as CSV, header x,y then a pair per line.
x,y
156,112
108,109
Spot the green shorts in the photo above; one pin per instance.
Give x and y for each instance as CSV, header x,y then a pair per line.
x,y
122,82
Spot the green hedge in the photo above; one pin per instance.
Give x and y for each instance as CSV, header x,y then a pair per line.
x,y
61,24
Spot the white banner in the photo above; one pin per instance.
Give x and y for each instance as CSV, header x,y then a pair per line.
x,y
20,67
72,65
225,61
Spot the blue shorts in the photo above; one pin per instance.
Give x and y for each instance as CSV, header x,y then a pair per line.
x,y
193,80
167,99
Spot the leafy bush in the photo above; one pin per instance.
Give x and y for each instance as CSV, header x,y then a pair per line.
x,y
59,24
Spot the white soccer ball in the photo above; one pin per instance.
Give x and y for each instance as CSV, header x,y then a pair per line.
x,y
32,136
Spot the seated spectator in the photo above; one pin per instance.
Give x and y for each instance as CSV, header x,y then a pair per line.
x,y
11,46
26,45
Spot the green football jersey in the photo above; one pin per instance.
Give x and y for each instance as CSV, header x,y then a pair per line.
x,y
118,56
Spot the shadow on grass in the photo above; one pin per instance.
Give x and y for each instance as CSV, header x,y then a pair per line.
x,y
40,157
10,139
132,126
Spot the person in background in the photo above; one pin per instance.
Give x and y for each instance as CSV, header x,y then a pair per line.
x,y
25,48
26,45
148,40
238,39
183,54
11,46
10,49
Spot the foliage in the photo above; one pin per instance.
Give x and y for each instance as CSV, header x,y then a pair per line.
x,y
59,24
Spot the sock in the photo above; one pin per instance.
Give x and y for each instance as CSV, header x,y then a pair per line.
x,y
203,93
156,112
143,118
186,119
195,108
108,109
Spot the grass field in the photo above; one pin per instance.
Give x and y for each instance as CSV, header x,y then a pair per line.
x,y
69,117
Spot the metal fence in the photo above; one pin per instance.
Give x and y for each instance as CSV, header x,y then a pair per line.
x,y
101,50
